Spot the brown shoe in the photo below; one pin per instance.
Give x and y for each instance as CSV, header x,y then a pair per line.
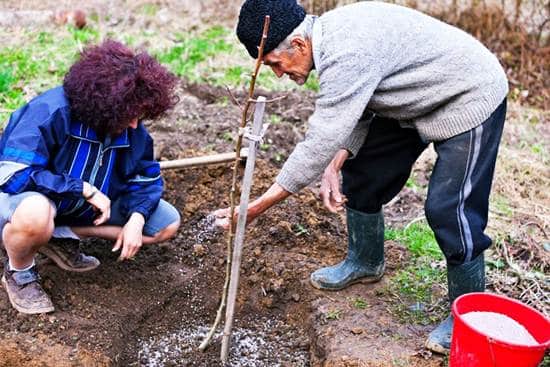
x,y
25,292
67,255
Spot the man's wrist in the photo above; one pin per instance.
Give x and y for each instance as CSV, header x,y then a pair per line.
x,y
341,156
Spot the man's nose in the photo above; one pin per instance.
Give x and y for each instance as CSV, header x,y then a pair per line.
x,y
134,123
277,71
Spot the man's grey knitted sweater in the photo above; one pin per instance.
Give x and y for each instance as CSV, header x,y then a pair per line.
x,y
397,63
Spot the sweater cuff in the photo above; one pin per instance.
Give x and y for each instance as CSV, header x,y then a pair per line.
x,y
288,182
356,140
353,144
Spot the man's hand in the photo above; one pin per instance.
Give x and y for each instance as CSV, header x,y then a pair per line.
x,y
330,193
130,237
99,201
223,216
271,197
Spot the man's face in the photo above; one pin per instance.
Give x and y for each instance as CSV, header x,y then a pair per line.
x,y
296,62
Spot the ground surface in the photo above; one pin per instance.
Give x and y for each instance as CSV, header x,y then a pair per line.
x,y
153,311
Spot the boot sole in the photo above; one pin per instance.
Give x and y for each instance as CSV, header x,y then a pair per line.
x,y
365,280
436,348
62,262
27,311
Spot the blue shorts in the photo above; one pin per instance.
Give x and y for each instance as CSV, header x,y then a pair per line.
x,y
164,215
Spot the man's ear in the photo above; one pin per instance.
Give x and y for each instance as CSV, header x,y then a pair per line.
x,y
299,44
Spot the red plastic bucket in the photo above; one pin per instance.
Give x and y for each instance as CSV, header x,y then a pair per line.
x,y
470,348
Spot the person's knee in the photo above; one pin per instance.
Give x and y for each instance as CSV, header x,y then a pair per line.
x,y
168,232
34,217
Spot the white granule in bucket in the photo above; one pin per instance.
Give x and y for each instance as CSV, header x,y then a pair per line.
x,y
500,327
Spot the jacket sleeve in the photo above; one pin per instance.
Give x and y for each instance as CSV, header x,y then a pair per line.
x,y
145,186
25,152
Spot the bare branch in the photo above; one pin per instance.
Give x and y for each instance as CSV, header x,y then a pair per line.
x,y
235,100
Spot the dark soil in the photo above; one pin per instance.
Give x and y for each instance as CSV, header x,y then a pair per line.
x,y
154,310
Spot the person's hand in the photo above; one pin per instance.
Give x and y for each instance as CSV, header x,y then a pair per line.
x,y
330,193
130,238
223,217
272,196
100,202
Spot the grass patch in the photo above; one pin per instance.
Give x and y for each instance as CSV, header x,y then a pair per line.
x,y
213,56
502,205
189,52
149,9
359,302
38,65
414,286
333,314
418,238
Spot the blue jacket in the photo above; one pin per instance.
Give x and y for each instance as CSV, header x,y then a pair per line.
x,y
43,150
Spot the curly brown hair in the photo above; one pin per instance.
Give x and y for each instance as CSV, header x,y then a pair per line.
x,y
111,85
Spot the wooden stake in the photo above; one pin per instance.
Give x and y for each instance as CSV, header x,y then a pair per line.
x,y
231,235
241,224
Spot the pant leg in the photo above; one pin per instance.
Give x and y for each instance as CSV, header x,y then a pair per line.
x,y
458,195
382,165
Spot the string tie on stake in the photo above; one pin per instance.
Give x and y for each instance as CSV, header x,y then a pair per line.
x,y
247,133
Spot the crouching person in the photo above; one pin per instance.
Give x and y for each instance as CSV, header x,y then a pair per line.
x,y
77,162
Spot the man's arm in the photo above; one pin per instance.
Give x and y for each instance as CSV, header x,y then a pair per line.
x,y
274,195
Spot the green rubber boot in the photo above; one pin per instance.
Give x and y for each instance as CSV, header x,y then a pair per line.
x,y
365,259
461,279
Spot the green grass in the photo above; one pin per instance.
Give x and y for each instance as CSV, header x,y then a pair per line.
x,y
418,238
38,65
189,52
414,284
149,9
359,303
502,205
333,314
275,119
312,82
213,56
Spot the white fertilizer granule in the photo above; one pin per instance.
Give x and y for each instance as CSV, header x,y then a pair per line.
x,y
500,327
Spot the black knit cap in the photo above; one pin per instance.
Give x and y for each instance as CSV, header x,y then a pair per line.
x,y
285,15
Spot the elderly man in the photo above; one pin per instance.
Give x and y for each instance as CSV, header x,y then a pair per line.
x,y
76,162
392,81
